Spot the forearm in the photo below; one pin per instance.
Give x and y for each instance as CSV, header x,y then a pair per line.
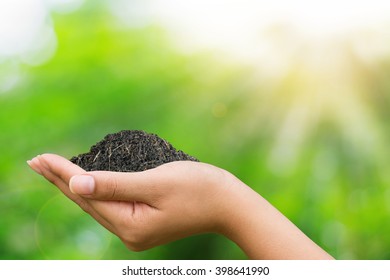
x,y
262,232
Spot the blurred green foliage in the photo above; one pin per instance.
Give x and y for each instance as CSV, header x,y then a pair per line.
x,y
105,78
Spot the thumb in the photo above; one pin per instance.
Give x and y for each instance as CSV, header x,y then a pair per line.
x,y
119,186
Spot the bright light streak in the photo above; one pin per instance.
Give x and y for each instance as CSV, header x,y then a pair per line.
x,y
264,32
238,26
312,40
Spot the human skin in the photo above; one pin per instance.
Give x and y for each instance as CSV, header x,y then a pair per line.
x,y
178,199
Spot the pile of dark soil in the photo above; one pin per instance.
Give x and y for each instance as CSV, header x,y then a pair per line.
x,y
129,150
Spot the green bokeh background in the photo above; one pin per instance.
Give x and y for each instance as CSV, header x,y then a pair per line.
x,y
105,78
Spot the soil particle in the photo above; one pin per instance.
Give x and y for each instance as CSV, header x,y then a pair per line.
x,y
129,150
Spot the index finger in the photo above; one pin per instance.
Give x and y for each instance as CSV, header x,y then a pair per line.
x,y
60,166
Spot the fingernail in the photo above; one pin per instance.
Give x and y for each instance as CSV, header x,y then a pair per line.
x,y
34,165
82,184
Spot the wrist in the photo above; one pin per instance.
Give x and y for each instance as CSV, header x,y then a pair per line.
x,y
237,206
261,231
244,216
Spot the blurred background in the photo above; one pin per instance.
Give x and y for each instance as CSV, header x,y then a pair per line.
x,y
293,97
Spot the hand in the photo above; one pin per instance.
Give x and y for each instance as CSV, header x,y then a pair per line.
x,y
147,208
178,199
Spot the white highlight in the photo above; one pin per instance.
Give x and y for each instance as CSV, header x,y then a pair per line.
x,y
244,27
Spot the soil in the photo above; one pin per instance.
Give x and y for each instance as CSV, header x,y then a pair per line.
x,y
129,150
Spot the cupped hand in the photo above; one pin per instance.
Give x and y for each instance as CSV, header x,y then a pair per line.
x,y
148,208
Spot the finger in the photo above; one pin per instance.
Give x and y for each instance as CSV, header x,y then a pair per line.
x,y
60,166
121,186
113,185
84,204
57,170
34,165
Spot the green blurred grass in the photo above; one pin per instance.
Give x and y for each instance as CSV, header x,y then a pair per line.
x,y
105,78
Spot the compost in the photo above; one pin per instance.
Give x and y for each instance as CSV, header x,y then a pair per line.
x,y
128,151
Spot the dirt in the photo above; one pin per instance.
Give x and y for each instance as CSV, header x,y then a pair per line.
x,y
129,150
